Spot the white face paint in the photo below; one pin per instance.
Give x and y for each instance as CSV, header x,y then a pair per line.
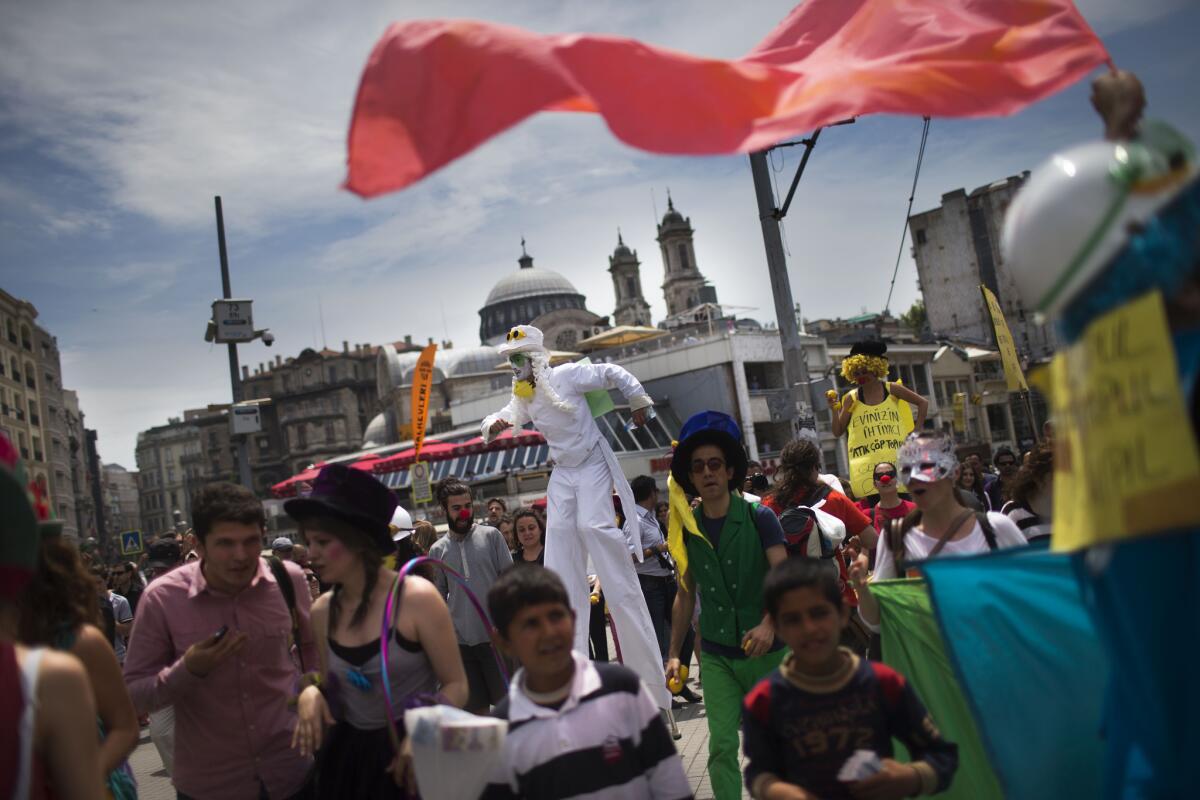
x,y
522,366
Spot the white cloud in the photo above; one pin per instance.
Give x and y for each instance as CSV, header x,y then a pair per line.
x,y
163,105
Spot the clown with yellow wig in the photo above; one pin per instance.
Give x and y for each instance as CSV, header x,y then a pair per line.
x,y
580,521
876,416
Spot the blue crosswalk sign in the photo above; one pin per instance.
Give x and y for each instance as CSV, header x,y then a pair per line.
x,y
131,543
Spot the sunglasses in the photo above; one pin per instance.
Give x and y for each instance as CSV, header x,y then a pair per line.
x,y
713,465
514,335
889,474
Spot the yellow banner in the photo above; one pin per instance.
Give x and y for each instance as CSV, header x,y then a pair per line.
x,y
1004,342
421,386
960,412
1125,457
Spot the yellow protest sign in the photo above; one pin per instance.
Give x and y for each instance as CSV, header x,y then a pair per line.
x,y
1013,374
421,385
960,412
1125,457
874,434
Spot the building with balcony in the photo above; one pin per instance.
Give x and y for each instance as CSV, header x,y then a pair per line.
x,y
168,473
34,415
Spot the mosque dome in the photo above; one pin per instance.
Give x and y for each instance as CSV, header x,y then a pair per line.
x,y
523,296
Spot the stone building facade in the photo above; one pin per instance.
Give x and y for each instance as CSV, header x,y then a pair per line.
x,y
957,249
122,509
35,417
168,473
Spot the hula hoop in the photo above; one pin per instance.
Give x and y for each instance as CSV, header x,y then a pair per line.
x,y
388,618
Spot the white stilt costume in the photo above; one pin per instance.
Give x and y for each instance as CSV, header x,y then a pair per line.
x,y
580,519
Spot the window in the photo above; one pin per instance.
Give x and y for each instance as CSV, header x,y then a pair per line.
x,y
301,436
920,380
919,235
333,374
170,474
12,332
683,257
264,443
29,375
631,287
26,341
16,370
330,435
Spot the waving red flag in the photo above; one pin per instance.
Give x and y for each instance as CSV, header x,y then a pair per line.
x,y
434,90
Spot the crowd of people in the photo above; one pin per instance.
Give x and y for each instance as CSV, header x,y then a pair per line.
x,y
260,671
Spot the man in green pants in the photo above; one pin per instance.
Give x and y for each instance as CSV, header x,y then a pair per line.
x,y
727,547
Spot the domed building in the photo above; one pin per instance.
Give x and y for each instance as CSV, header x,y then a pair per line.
x,y
538,297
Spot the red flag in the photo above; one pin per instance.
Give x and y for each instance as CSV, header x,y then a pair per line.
x,y
434,90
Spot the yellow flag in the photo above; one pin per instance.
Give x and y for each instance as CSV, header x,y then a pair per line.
x,y
1125,458
1004,341
679,518
421,385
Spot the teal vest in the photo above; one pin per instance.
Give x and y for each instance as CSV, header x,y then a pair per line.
x,y
730,578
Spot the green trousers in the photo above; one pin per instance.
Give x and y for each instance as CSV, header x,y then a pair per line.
x,y
726,682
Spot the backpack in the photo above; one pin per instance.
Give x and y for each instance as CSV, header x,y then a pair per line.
x,y
803,520
899,527
289,597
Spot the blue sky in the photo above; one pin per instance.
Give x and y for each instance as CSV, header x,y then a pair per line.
x,y
120,121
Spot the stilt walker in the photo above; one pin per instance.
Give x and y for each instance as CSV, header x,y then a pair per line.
x,y
580,520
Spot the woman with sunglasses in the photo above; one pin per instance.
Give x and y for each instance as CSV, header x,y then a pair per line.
x,y
939,525
346,524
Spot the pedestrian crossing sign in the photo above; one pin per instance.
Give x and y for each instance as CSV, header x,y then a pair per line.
x,y
131,543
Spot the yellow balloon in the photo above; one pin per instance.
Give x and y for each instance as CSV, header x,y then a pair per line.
x,y
675,685
595,599
683,672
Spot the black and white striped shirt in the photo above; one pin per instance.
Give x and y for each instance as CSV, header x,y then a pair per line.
x,y
607,740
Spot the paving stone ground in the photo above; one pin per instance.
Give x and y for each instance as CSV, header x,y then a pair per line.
x,y
154,784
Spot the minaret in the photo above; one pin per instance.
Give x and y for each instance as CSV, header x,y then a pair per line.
x,y
683,285
623,264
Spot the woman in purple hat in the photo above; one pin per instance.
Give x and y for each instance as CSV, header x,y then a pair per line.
x,y
345,522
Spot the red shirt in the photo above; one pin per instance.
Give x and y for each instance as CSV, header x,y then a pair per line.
x,y
882,516
233,727
851,516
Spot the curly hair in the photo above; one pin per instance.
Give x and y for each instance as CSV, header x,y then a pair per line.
x,y
449,487
794,475
360,545
61,597
1033,474
877,365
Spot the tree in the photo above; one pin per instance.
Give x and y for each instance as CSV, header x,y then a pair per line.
x,y
915,319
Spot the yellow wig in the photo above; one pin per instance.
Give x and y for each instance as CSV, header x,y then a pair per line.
x,y
875,364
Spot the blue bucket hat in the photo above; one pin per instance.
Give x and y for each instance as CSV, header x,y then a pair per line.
x,y
709,427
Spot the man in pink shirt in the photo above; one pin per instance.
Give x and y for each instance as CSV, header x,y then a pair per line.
x,y
213,639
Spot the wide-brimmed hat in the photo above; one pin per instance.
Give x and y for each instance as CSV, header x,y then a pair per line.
x,y
709,427
352,496
522,339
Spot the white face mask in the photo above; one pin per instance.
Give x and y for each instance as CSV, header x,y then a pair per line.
x,y
522,366
926,458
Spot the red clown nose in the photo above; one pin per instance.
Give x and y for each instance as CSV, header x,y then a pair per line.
x,y
464,515
885,479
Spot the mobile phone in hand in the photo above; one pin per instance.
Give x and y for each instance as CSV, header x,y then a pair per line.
x,y
219,635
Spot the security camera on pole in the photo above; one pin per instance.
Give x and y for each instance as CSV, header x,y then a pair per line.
x,y
233,322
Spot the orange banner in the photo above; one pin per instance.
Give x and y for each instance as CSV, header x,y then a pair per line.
x,y
421,385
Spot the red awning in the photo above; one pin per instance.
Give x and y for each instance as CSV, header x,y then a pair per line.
x,y
431,451
288,488
366,464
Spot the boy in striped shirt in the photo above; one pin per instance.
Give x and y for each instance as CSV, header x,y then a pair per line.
x,y
575,728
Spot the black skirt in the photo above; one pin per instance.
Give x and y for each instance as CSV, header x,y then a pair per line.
x,y
353,763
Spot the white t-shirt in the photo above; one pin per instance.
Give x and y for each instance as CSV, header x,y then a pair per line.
x,y
918,546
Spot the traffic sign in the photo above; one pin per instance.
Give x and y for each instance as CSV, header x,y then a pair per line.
x,y
131,543
235,320
245,418
422,492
